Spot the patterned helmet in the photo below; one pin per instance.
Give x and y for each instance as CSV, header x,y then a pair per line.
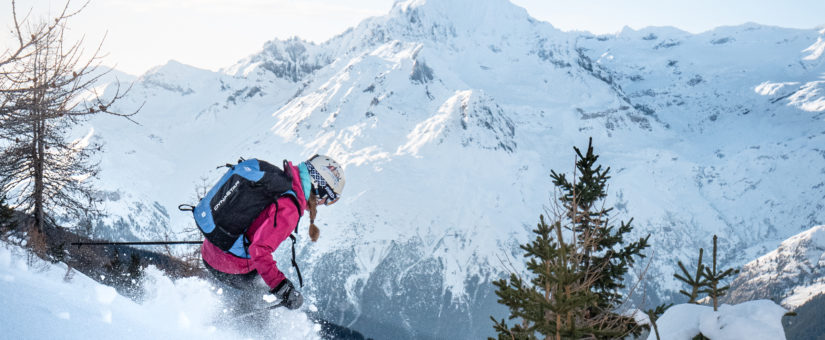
x,y
327,176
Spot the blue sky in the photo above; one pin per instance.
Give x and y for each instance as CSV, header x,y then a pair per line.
x,y
212,34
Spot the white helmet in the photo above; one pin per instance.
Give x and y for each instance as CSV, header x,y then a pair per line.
x,y
327,176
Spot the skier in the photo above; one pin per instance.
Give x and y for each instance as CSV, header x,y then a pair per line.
x,y
317,181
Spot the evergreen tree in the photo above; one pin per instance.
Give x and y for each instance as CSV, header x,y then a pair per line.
x,y
706,280
555,301
605,248
6,215
713,277
575,289
695,282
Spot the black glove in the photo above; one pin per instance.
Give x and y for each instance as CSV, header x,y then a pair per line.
x,y
290,297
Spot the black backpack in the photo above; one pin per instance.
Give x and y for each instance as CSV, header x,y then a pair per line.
x,y
236,200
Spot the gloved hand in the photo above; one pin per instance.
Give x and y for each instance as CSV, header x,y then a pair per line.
x,y
290,297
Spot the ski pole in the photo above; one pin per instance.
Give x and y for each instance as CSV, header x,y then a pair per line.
x,y
147,243
254,312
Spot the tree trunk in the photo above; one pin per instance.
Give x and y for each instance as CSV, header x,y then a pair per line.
x,y
714,280
655,329
38,175
694,293
39,157
558,326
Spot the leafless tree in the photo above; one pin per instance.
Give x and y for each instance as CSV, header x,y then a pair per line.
x,y
47,88
26,34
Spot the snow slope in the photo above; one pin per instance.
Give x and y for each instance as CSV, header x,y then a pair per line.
x,y
40,303
449,115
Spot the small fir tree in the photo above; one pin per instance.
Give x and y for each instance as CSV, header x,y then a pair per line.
x,y
576,287
714,277
695,282
706,280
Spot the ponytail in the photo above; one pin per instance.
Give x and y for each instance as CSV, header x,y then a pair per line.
x,y
312,205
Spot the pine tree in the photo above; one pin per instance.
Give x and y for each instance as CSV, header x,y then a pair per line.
x,y
575,290
695,282
556,300
714,277
706,280
6,215
605,248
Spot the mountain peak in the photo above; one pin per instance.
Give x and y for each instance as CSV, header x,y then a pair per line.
x,y
291,59
174,67
459,5
458,17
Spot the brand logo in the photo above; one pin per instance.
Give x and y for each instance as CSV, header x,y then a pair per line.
x,y
336,175
226,196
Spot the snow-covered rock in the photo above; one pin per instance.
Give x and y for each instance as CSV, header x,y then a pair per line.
x,y
752,320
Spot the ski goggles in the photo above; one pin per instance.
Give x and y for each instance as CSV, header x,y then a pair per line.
x,y
322,189
327,194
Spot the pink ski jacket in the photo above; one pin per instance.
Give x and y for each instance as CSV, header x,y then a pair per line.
x,y
266,233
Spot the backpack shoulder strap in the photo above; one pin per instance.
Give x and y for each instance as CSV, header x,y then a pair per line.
x,y
295,263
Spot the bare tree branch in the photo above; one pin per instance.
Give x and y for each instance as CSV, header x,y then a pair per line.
x,y
47,86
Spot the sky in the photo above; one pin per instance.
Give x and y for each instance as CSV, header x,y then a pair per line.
x,y
213,34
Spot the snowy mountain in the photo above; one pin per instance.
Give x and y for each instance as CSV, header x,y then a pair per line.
x,y
792,274
449,115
